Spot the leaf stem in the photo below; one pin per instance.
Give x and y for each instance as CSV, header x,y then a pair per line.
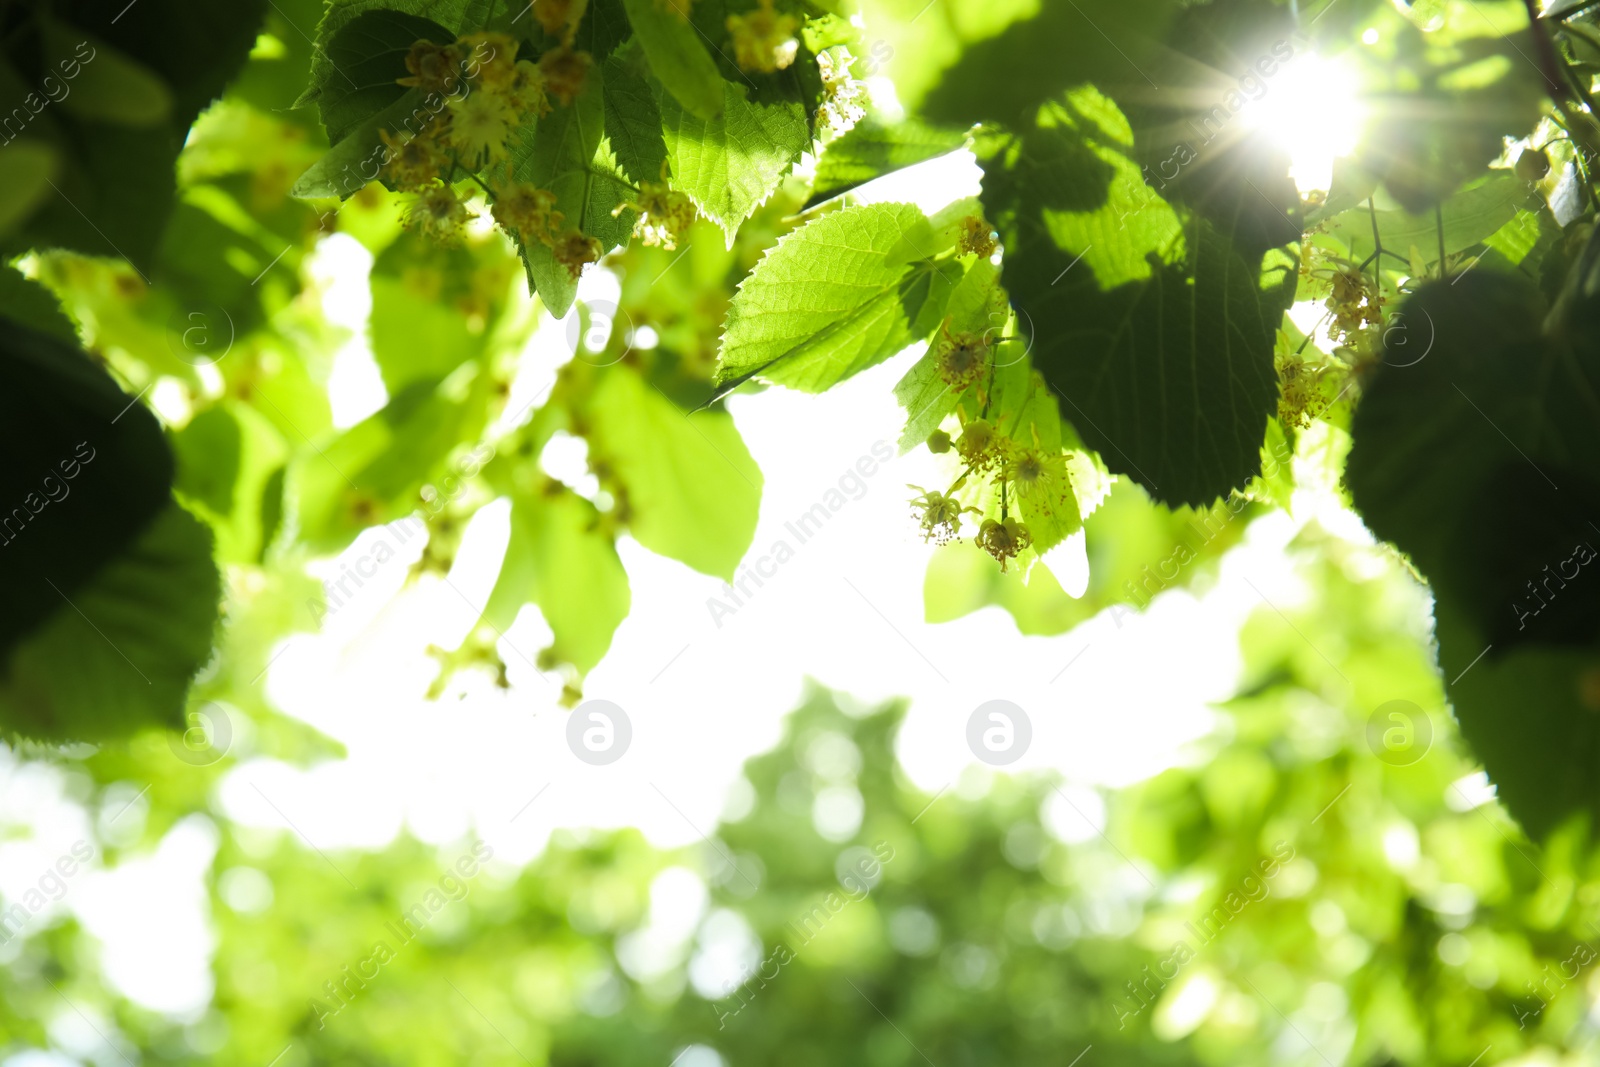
x,y
1438,224
1377,267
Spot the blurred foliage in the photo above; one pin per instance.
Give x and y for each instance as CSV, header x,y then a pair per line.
x,y
1288,894
1098,357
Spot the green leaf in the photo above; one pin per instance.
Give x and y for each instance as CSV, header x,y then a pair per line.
x,y
374,471
331,81
833,298
349,165
228,457
1136,549
633,122
1155,330
1472,452
120,655
693,492
208,451
420,327
112,87
1449,106
368,56
116,182
1469,216
677,54
1008,76
560,559
25,171
86,470
570,156
28,302
976,306
730,164
873,148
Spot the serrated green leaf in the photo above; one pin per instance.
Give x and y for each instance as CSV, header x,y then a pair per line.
x,y
560,559
677,54
368,55
730,164
693,492
346,168
1157,333
1469,216
30,303
87,468
873,148
633,122
926,398
832,298
570,155
1471,452
119,656
329,80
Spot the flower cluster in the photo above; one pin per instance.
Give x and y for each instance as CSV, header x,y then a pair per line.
x,y
490,95
559,18
977,237
843,97
1354,304
1030,475
764,40
663,214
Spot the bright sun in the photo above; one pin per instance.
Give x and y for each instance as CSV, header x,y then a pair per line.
x,y
1312,107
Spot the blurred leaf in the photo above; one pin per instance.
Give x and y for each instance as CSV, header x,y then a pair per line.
x,y
561,559
692,491
677,55
119,657
1499,412
88,470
